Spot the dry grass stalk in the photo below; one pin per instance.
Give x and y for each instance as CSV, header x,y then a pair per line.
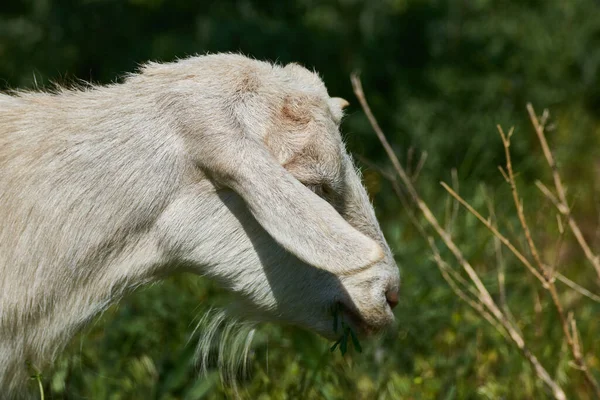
x,y
504,240
456,282
561,203
500,263
543,269
579,289
538,268
487,223
519,205
483,297
549,283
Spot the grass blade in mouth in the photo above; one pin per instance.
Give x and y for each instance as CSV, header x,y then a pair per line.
x,y
347,332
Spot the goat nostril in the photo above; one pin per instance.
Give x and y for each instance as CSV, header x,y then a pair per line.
x,y
392,298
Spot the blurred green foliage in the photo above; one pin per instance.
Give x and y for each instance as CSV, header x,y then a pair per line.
x,y
439,75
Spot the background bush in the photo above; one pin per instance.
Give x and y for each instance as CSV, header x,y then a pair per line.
x,y
439,75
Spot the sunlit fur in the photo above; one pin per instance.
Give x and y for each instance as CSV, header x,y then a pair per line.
x,y
200,165
224,344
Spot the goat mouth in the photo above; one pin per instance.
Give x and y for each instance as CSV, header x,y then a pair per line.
x,y
356,322
352,319
371,324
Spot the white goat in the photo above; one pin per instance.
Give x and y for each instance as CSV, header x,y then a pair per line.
x,y
220,165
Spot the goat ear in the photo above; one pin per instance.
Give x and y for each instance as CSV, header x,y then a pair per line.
x,y
341,103
299,220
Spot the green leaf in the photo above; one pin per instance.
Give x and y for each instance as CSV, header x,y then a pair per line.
x,y
357,345
335,345
344,343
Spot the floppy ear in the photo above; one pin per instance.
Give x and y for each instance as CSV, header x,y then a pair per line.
x,y
299,220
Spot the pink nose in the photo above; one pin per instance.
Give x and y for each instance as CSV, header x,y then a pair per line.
x,y
392,298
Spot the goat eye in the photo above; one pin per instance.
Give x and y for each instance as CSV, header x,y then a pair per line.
x,y
322,190
326,190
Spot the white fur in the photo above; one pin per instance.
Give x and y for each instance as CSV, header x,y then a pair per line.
x,y
201,165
